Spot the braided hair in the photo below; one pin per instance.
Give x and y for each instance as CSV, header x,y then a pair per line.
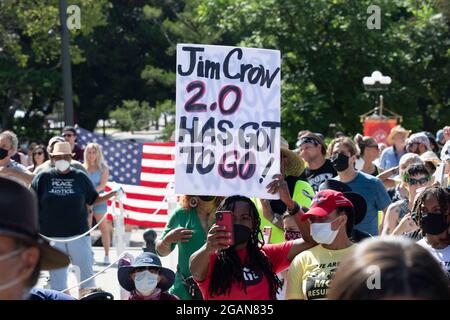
x,y
441,194
228,266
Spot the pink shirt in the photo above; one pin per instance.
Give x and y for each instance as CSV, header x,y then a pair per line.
x,y
257,283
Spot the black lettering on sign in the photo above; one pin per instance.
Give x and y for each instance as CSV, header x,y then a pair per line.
x,y
226,63
242,135
228,170
237,99
229,137
273,125
184,130
191,152
191,105
208,130
192,59
247,166
201,168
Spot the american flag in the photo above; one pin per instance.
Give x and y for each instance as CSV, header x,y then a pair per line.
x,y
143,170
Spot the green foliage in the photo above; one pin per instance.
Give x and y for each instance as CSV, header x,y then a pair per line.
x,y
124,55
327,49
132,115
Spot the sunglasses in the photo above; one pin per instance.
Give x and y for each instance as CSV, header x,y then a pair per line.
x,y
413,181
309,140
374,146
40,153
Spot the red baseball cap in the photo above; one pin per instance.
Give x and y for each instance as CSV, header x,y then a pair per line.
x,y
325,202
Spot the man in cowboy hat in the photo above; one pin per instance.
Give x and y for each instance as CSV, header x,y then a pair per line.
x,y
391,156
23,253
146,278
63,194
48,164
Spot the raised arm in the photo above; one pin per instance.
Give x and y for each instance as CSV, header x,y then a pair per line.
x,y
390,220
199,262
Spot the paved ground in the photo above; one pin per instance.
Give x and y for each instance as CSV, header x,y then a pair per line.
x,y
107,280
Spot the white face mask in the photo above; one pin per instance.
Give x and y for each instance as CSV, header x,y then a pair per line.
x,y
145,282
62,165
322,232
359,164
14,281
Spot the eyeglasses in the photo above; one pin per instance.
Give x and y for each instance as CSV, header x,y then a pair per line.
x,y
421,181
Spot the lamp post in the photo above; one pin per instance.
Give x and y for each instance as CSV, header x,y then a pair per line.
x,y
377,82
66,66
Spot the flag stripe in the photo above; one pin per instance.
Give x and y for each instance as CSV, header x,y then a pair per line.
x,y
129,208
158,150
158,163
153,184
160,144
152,156
170,171
156,177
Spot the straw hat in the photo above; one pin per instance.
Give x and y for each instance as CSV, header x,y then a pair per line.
x,y
396,130
295,165
430,156
61,149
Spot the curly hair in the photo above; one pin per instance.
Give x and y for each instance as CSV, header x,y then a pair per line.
x,y
228,266
441,194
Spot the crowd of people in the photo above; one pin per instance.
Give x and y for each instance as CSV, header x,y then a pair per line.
x,y
344,208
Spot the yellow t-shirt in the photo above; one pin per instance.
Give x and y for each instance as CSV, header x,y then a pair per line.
x,y
310,272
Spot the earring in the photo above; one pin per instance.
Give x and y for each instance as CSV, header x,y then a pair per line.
x,y
193,202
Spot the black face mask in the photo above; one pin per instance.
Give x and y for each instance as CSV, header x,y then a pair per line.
x,y
340,162
241,234
3,153
433,223
207,198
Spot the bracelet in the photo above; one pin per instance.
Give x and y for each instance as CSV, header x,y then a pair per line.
x,y
295,210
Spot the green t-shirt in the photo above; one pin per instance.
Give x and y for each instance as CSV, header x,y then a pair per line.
x,y
189,220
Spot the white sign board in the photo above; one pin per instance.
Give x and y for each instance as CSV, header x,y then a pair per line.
x,y
227,120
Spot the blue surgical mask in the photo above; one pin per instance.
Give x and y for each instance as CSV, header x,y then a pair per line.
x,y
145,282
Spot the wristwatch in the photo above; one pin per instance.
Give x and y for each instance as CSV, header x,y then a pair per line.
x,y
275,219
294,210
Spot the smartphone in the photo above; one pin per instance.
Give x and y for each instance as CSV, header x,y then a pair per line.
x,y
225,218
267,233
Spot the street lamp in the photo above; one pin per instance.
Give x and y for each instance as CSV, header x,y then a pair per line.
x,y
377,82
66,67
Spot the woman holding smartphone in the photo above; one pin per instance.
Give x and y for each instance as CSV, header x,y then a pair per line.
x,y
238,265
187,227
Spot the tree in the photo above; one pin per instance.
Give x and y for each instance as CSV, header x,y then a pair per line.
x,y
132,115
30,76
327,49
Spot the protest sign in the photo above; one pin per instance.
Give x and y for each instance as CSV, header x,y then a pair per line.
x,y
227,120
